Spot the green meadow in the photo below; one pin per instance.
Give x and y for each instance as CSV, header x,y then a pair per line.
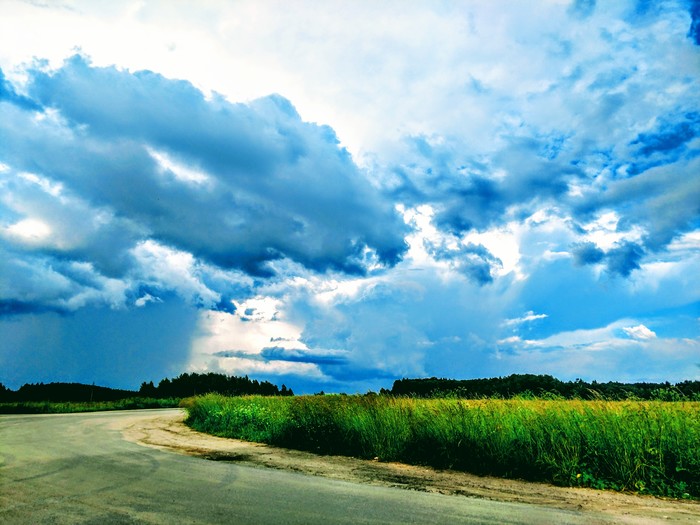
x,y
648,447
57,407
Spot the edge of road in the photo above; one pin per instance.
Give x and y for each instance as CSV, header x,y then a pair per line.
x,y
165,429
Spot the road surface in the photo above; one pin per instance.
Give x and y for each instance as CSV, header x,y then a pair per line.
x,y
77,468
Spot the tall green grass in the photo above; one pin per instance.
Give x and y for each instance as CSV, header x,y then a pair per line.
x,y
53,407
647,447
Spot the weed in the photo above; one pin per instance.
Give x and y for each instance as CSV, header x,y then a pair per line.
x,y
49,407
643,446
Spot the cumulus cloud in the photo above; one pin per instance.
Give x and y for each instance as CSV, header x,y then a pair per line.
x,y
577,139
150,181
640,332
34,283
472,260
161,269
541,164
476,195
277,183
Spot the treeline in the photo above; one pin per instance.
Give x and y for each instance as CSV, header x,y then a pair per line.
x,y
185,385
63,392
524,385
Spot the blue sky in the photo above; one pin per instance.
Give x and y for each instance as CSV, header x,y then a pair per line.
x,y
337,195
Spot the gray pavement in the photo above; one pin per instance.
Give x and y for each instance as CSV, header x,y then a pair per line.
x,y
77,468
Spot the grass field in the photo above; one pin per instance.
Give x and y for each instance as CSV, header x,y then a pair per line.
x,y
641,446
49,407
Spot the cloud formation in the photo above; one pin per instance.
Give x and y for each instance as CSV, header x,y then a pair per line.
x,y
639,332
574,136
124,170
494,192
293,355
472,260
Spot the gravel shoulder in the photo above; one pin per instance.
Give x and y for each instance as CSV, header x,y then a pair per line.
x,y
168,431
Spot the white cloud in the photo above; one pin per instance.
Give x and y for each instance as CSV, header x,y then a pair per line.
x,y
145,299
171,269
503,244
31,231
606,338
591,338
219,332
377,71
496,135
259,308
688,242
240,366
639,332
54,189
653,360
179,170
604,231
512,340
528,317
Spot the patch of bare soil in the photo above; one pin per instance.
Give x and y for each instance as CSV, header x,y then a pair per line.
x,y
168,431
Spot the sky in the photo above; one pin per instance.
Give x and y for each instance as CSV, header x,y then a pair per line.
x,y
335,195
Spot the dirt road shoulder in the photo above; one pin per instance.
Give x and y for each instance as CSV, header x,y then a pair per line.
x,y
167,430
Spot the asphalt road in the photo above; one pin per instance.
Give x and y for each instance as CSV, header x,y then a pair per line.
x,y
77,468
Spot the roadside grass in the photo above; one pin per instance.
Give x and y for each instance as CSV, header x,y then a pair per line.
x,y
648,447
51,407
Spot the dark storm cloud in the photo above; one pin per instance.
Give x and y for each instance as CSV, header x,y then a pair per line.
x,y
587,253
274,186
117,348
292,355
621,260
473,261
276,353
649,180
669,143
597,132
669,136
475,195
12,307
624,258
37,283
663,200
131,171
132,202
694,31
79,231
474,203
225,304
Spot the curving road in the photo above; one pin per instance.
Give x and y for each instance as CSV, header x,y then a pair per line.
x,y
77,468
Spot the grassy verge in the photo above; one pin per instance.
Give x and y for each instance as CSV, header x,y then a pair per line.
x,y
49,407
646,447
